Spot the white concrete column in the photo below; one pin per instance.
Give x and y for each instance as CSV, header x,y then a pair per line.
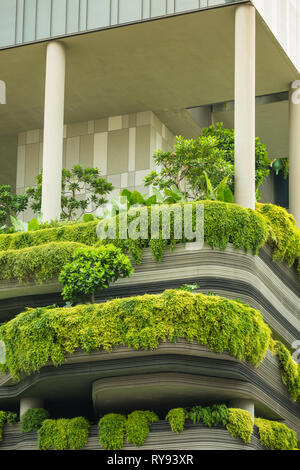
x,y
244,119
29,403
53,130
243,404
294,151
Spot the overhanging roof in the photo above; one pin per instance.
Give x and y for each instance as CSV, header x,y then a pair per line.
x,y
164,65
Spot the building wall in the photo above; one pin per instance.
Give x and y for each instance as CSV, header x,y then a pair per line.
x,y
23,21
283,18
121,147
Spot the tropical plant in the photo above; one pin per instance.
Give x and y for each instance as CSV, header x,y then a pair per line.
x,y
33,419
83,191
10,204
21,226
192,164
225,142
92,270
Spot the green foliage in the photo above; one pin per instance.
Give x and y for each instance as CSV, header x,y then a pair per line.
x,y
38,263
176,418
224,223
93,269
6,417
225,142
42,335
63,434
112,430
215,415
276,436
138,426
20,226
76,181
289,369
192,163
33,419
10,204
240,424
82,233
284,234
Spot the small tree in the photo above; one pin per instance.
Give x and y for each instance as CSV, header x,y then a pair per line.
x,y
196,167
225,142
92,270
10,204
82,192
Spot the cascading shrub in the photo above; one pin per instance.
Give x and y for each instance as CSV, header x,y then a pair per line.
x,y
289,369
176,418
6,417
275,436
33,419
138,426
38,336
38,263
112,430
63,434
240,424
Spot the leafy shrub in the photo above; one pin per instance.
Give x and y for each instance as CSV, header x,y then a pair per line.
x,y
138,426
240,424
215,415
112,430
284,234
289,369
63,434
38,263
176,418
93,269
38,336
6,417
276,436
225,142
10,204
74,182
33,419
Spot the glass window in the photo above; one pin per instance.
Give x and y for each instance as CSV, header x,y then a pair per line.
x,y
7,22
98,14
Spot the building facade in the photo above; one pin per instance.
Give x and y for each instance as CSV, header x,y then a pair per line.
x,y
106,83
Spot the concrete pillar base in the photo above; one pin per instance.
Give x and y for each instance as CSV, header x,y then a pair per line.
x,y
243,404
29,403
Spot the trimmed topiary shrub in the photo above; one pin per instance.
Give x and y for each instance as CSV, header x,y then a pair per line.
x,y
176,418
276,436
112,430
240,424
39,263
138,426
42,335
63,434
92,270
33,419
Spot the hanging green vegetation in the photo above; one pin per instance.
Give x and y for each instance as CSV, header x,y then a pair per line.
x,y
215,415
42,335
6,417
138,426
276,436
240,424
112,430
176,418
289,369
33,419
63,434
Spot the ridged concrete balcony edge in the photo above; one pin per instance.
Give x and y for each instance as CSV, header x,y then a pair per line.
x,y
190,364
194,437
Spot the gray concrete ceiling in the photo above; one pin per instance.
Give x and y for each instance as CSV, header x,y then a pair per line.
x,y
165,65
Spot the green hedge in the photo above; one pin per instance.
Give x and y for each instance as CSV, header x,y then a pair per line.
x,y
224,223
284,234
276,436
33,419
289,369
63,434
81,233
38,336
38,263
